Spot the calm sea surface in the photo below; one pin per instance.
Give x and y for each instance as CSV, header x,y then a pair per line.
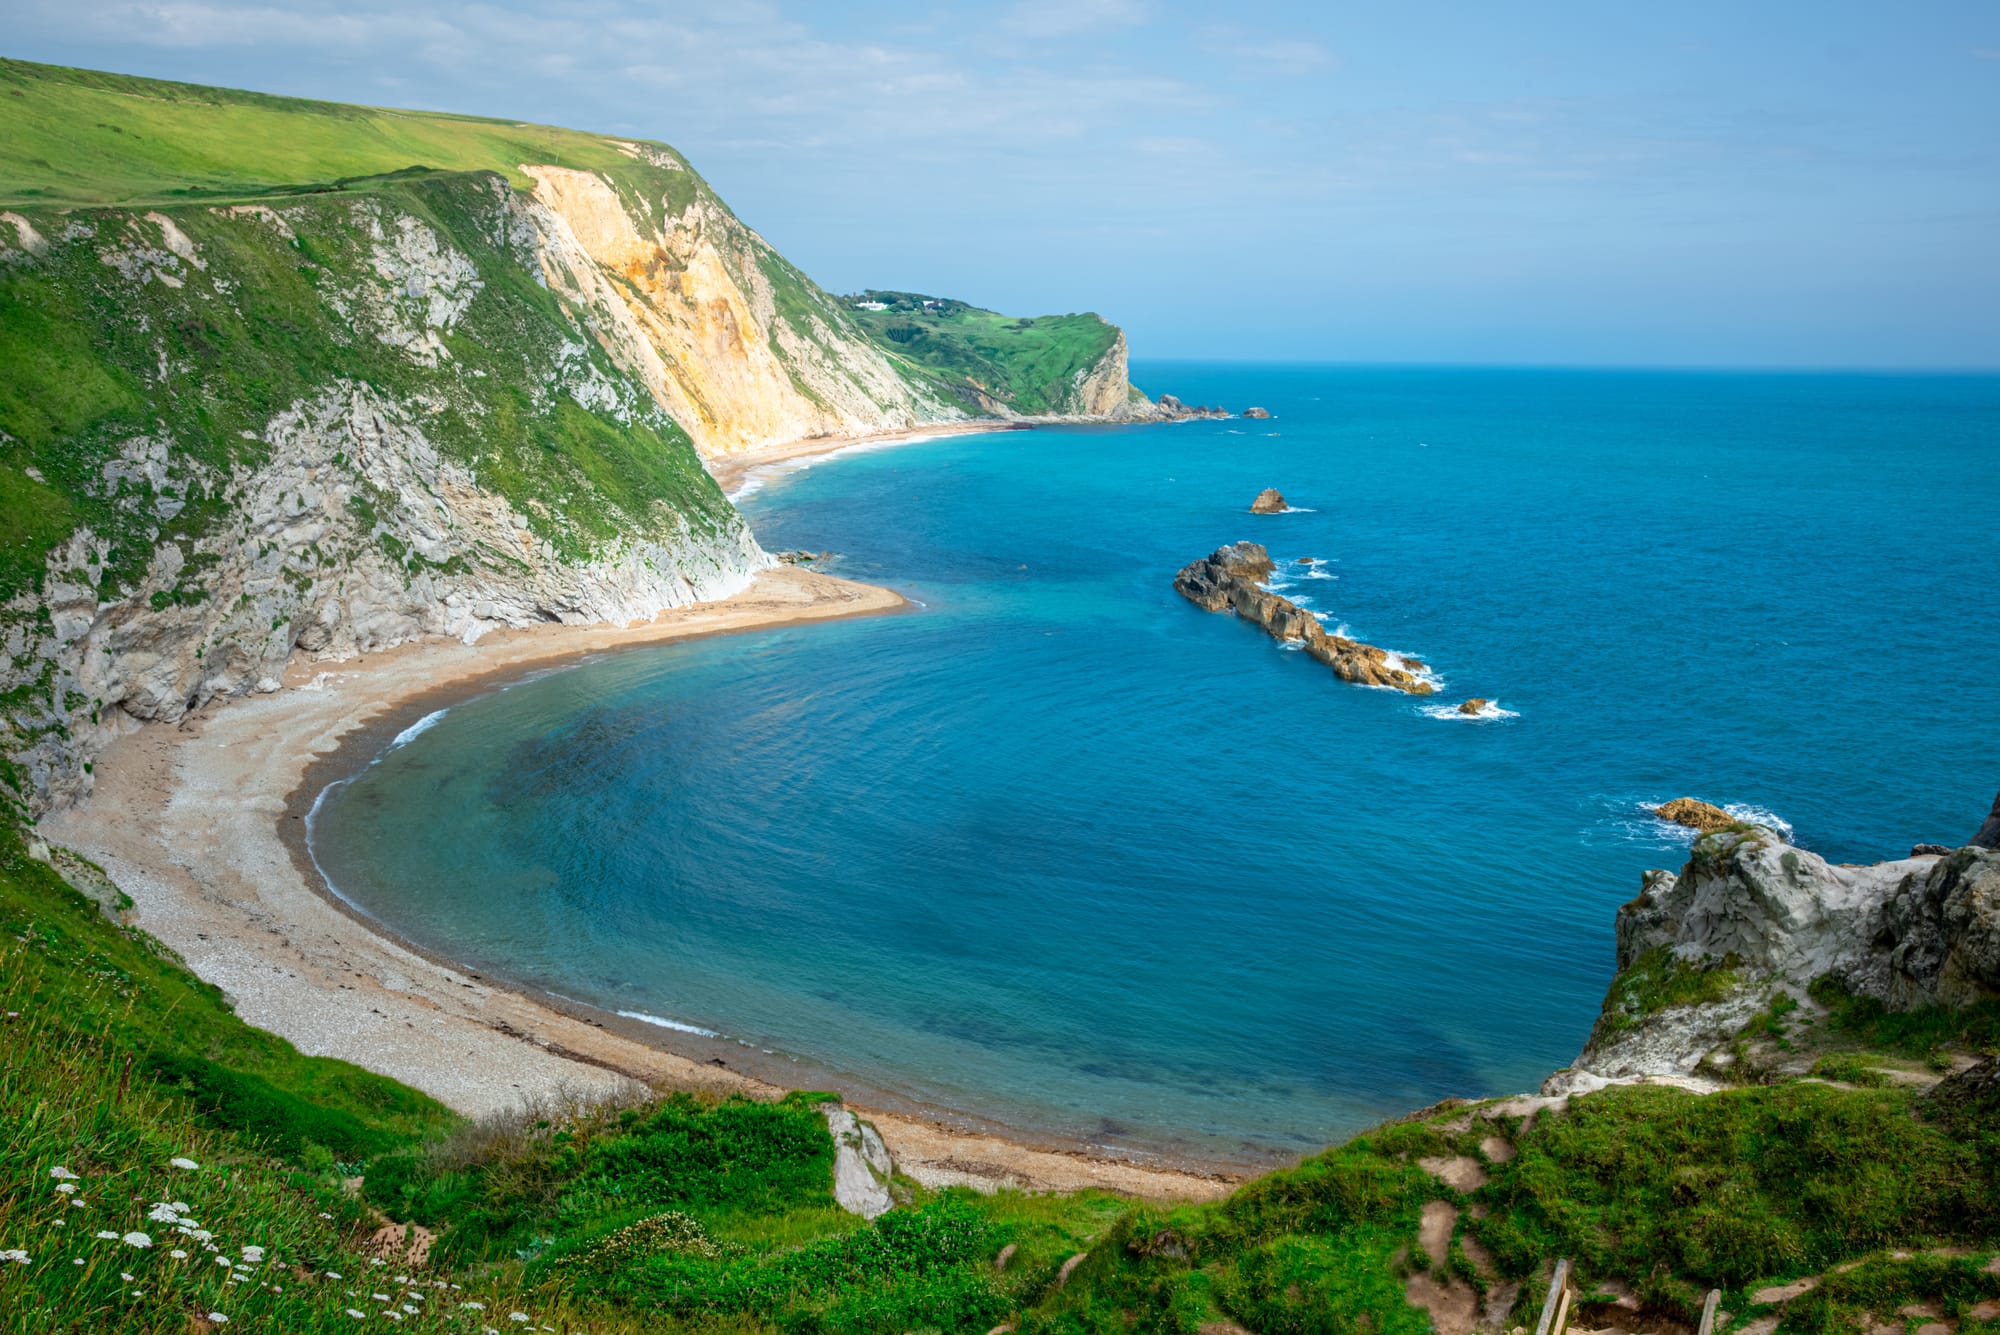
x,y
1060,849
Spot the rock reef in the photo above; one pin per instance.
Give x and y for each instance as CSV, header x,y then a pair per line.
x,y
1231,579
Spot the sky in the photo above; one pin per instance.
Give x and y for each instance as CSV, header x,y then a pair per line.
x,y
1755,183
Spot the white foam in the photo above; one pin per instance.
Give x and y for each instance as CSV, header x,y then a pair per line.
x,y
418,729
1298,510
644,1018
1763,816
1490,710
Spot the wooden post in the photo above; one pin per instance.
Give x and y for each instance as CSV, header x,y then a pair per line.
x,y
1551,1324
1708,1312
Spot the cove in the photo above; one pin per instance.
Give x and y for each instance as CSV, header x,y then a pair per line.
x,y
1059,849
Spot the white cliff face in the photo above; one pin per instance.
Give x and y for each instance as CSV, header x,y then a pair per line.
x,y
354,536
344,525
687,303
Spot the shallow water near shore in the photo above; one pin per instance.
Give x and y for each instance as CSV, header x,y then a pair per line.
x,y
1063,851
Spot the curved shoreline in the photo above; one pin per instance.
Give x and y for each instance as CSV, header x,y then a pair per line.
x,y
203,826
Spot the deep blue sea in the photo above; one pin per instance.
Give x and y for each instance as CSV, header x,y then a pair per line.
x,y
1059,849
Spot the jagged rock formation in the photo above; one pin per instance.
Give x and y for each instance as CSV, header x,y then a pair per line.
x,y
1750,918
1231,578
1258,414
1170,409
1270,501
1694,814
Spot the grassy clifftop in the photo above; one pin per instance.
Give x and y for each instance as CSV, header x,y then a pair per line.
x,y
85,138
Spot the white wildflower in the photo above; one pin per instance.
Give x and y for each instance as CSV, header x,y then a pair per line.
x,y
183,1163
357,1315
61,1174
162,1213
66,1188
519,1316
324,1215
379,1297
393,1316
107,1235
137,1240
253,1254
218,1318
376,1260
334,1274
200,1235
222,1261
473,1307
178,1254
77,1261
14,1254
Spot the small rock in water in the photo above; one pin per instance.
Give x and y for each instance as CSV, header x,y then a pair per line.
x,y
1261,414
1695,815
1308,560
1474,705
1270,501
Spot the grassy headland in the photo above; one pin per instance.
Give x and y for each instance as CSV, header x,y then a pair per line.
x,y
1025,364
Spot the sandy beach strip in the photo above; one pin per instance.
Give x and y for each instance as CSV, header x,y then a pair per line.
x,y
190,821
731,471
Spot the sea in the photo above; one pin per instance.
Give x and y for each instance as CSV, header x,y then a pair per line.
x,y
1056,849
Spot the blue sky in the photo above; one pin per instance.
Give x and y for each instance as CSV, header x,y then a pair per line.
x,y
1754,184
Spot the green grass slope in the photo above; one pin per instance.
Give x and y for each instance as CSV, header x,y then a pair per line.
x,y
82,138
1026,365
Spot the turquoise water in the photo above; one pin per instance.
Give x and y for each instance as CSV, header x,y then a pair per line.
x,y
1060,849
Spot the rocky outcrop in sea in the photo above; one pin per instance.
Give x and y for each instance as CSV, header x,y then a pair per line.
x,y
1232,579
1270,501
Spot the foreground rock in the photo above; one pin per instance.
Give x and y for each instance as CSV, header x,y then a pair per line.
x,y
1989,833
1231,579
1696,815
1751,924
1270,501
861,1163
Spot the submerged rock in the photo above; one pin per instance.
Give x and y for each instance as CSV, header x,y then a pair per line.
x,y
1230,579
1270,501
1694,814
